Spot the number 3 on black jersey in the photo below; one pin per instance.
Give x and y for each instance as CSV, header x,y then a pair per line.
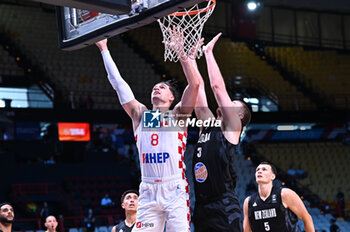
x,y
199,152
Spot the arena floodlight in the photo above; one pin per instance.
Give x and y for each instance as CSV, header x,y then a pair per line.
x,y
252,5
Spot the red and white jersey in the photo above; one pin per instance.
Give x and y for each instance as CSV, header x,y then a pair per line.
x,y
161,152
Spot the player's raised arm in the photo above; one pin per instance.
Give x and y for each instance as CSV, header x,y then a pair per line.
x,y
126,97
231,120
189,96
246,225
201,108
216,80
294,203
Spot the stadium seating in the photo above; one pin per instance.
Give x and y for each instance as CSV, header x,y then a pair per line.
x,y
322,221
325,71
235,59
79,73
325,162
97,229
8,65
245,170
89,191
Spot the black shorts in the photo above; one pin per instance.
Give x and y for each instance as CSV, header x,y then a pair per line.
x,y
223,215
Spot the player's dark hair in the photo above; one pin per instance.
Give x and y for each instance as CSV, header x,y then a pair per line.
x,y
127,192
173,86
247,115
5,203
273,168
50,216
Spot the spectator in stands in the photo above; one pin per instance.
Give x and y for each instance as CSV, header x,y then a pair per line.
x,y
98,142
106,201
32,207
89,102
291,171
333,227
120,146
340,202
300,173
89,221
51,160
72,100
3,134
45,212
129,202
7,216
51,224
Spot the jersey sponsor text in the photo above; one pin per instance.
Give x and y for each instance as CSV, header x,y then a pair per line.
x,y
152,158
264,214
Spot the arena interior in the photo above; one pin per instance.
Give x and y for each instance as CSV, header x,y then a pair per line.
x,y
289,60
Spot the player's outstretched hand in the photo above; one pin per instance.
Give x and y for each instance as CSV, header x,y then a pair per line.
x,y
195,48
102,45
176,42
209,47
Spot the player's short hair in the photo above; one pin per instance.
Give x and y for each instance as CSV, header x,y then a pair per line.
x,y
173,86
273,168
50,216
247,115
5,203
127,192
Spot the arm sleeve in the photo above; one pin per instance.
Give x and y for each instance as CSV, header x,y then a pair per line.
x,y
122,88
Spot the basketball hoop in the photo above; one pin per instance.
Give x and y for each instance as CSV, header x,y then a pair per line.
x,y
190,23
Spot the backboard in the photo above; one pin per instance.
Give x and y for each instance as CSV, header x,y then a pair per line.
x,y
105,6
79,28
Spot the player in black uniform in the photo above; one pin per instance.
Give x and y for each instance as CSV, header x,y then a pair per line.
x,y
217,206
274,209
129,202
7,215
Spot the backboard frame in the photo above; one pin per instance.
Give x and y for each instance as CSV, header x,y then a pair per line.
x,y
118,27
105,6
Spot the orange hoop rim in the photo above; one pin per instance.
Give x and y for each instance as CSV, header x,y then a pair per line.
x,y
194,12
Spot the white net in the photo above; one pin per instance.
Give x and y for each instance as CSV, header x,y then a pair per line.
x,y
189,23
